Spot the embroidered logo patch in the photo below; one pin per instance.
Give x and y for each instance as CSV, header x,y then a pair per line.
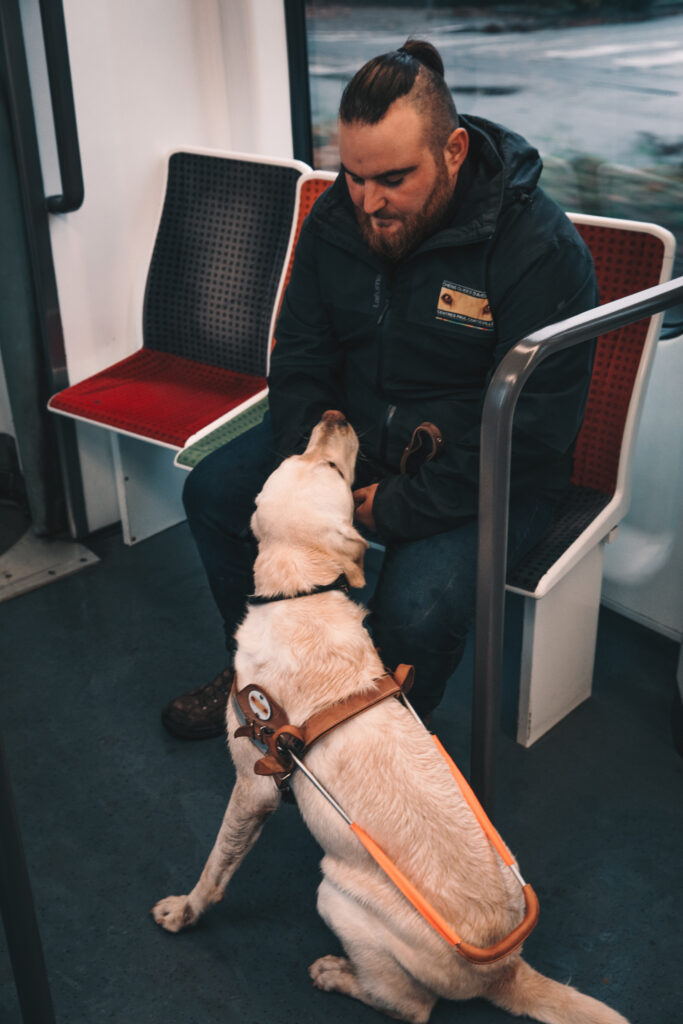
x,y
467,306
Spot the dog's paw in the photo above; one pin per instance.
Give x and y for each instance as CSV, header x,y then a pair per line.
x,y
174,913
329,973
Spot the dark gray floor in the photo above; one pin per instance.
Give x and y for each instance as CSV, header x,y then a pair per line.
x,y
116,814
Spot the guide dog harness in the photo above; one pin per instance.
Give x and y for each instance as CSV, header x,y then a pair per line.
x,y
283,746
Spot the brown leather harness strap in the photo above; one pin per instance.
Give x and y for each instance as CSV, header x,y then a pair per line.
x,y
318,725
265,723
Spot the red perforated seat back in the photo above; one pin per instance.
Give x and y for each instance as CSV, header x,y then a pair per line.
x,y
625,262
309,190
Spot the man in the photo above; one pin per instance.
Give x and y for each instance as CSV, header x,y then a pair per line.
x,y
420,267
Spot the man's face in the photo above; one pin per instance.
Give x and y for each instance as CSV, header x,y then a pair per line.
x,y
401,192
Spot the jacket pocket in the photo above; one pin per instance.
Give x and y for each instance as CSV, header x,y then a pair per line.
x,y
443,354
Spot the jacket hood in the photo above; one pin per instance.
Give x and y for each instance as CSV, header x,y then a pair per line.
x,y
520,162
502,168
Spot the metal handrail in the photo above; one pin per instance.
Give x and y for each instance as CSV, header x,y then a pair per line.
x,y
494,493
63,110
36,219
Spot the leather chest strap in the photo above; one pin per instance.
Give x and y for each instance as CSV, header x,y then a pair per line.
x,y
318,725
265,722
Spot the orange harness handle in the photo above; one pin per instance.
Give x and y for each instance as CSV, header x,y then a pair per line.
x,y
475,954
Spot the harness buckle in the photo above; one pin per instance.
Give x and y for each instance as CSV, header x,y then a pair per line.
x,y
286,740
290,740
255,732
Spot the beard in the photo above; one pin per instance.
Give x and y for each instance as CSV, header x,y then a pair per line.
x,y
412,228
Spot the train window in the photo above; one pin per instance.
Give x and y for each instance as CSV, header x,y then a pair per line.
x,y
596,86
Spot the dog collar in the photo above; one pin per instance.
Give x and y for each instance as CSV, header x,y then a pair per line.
x,y
341,583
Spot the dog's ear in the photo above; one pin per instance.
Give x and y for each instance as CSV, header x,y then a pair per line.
x,y
352,550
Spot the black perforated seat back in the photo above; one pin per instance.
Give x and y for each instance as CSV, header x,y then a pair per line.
x,y
580,507
217,260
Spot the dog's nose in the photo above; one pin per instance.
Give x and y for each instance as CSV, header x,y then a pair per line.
x,y
334,416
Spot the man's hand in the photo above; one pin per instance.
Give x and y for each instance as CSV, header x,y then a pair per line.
x,y
363,499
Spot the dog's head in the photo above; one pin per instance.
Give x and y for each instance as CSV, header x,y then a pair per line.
x,y
306,504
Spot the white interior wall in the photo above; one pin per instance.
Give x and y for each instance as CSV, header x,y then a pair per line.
x,y
643,577
256,75
149,76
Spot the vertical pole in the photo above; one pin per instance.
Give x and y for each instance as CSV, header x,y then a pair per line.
x,y
299,90
18,913
494,497
58,446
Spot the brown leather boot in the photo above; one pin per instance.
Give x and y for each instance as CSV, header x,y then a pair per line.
x,y
200,714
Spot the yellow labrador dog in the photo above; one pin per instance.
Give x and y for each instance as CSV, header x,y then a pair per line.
x,y
382,767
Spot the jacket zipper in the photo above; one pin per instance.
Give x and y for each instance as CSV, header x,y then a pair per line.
x,y
381,319
384,444
391,409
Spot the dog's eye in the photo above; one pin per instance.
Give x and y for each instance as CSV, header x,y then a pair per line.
x,y
335,466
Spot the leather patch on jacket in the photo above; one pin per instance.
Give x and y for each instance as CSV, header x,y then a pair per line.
x,y
467,306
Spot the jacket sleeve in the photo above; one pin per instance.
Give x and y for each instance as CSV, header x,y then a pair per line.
x,y
555,282
306,361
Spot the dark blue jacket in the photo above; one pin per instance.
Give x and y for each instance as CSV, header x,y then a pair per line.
x,y
393,346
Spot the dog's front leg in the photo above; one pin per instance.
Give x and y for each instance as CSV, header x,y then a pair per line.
x,y
253,800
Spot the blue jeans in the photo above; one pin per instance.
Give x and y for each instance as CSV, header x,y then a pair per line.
x,y
424,600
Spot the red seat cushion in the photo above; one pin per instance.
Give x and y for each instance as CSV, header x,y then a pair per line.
x,y
157,396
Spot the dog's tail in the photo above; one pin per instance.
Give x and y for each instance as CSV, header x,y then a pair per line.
x,y
522,990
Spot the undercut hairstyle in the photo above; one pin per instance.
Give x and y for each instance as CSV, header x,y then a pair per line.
x,y
416,71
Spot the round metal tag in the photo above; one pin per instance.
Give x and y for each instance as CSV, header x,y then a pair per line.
x,y
259,704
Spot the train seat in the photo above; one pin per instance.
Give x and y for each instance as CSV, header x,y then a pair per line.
x,y
227,427
207,321
560,580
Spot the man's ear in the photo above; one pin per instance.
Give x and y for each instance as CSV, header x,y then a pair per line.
x,y
352,549
455,151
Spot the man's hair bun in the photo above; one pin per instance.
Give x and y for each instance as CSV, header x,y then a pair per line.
x,y
423,51
415,69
